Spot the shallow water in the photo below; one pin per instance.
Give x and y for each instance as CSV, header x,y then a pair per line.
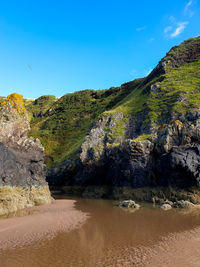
x,y
110,237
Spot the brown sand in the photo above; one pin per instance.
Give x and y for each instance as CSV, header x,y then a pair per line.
x,y
176,250
44,223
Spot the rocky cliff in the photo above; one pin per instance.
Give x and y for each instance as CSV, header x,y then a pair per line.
x,y
151,137
22,168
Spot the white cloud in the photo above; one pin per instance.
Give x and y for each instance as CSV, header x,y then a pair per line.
x,y
187,9
188,5
141,29
180,28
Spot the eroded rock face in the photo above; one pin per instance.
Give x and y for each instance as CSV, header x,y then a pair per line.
x,y
110,158
101,135
177,153
171,159
106,160
22,168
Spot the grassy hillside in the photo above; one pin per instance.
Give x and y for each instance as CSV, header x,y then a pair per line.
x,y
170,90
61,124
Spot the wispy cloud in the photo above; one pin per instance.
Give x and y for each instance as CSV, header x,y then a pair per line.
x,y
188,5
187,9
177,26
179,29
141,29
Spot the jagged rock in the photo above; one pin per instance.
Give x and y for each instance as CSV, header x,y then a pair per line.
x,y
169,135
168,202
180,167
94,146
22,168
183,204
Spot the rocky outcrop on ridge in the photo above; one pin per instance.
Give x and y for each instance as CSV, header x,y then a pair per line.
x,y
22,168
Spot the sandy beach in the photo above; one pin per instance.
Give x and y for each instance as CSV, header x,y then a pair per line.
x,y
180,249
43,222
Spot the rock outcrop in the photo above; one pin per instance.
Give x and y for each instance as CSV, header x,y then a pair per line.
x,y
150,139
170,159
22,168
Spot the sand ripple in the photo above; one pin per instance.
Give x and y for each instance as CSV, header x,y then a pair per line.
x,y
45,222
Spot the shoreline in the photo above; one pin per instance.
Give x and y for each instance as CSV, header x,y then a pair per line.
x,y
41,222
44,222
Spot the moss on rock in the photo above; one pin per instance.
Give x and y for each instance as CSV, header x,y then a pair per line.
x,y
15,198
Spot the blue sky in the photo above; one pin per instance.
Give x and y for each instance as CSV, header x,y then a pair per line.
x,y
56,47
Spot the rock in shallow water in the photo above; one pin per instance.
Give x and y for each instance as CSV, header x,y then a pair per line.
x,y
180,204
183,204
166,206
129,204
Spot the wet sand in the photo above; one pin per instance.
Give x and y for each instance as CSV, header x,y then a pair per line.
x,y
180,249
110,237
44,222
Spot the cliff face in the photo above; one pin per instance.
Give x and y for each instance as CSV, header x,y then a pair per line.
x,y
151,137
170,159
22,169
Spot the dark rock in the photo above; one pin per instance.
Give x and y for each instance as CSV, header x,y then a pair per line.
x,y
183,204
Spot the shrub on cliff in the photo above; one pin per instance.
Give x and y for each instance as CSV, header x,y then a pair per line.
x,y
15,102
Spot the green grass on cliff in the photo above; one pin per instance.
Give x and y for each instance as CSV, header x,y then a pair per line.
x,y
41,104
65,121
62,124
188,51
179,92
179,87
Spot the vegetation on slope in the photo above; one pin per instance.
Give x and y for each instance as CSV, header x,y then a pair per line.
x,y
172,88
177,83
61,124
14,101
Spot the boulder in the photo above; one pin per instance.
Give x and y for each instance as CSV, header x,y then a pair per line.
x,y
165,206
128,204
183,204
